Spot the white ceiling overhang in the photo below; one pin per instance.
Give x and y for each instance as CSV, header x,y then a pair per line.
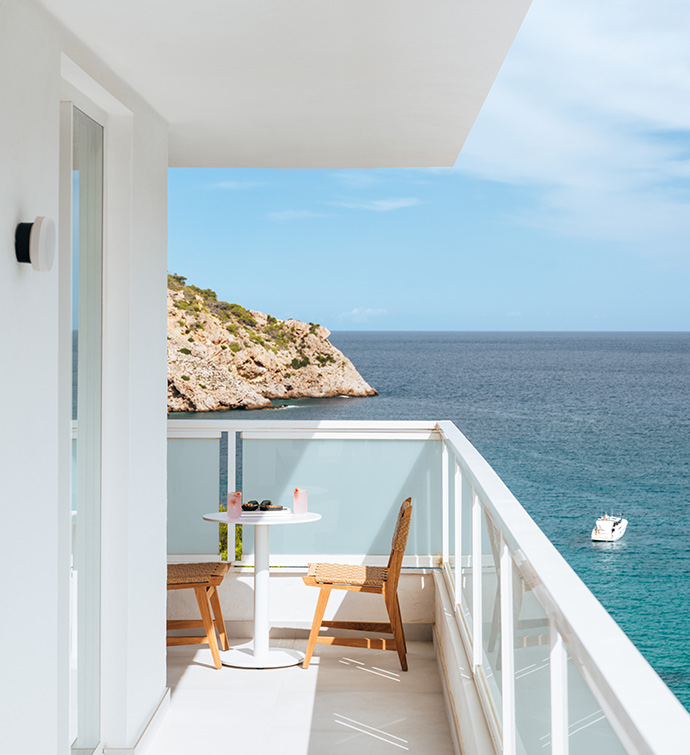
x,y
304,83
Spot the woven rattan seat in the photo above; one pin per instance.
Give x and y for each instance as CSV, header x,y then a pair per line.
x,y
204,579
345,574
195,573
373,579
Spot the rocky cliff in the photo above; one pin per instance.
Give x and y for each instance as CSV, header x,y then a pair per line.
x,y
223,356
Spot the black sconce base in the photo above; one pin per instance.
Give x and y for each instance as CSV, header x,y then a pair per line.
x,y
22,238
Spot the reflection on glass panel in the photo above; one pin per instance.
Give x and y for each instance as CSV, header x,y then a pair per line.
x,y
491,609
466,580
589,731
451,515
532,686
194,481
356,485
87,238
75,281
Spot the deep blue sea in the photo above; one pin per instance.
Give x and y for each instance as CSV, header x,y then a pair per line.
x,y
576,424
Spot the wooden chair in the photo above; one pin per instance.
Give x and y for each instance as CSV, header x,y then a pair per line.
x,y
204,579
371,579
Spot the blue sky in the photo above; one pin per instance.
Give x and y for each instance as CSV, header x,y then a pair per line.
x,y
568,208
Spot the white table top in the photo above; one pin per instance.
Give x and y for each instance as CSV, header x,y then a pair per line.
x,y
222,518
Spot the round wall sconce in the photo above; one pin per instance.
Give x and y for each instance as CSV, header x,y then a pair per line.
x,y
35,243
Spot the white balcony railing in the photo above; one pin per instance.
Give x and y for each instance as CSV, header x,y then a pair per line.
x,y
568,681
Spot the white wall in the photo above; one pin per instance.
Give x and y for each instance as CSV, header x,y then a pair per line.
x,y
145,675
28,385
34,521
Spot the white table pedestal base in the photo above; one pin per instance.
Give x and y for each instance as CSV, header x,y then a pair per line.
x,y
258,653
243,657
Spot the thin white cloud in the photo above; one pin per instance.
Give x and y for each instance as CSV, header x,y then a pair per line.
x,y
365,178
294,215
592,112
357,178
362,314
238,185
377,205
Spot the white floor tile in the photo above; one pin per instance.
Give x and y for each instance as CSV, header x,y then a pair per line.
x,y
347,701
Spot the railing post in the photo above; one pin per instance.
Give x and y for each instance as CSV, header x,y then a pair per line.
x,y
231,467
445,503
231,461
558,671
476,580
457,570
507,651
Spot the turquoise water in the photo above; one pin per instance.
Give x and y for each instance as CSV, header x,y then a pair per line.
x,y
576,424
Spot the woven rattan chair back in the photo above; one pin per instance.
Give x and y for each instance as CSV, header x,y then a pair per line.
x,y
402,530
372,579
402,527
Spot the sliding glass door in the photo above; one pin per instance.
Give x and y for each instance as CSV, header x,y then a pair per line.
x,y
86,307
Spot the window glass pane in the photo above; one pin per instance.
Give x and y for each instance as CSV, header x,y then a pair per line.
x,y
86,295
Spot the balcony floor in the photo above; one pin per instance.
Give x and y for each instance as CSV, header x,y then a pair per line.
x,y
348,701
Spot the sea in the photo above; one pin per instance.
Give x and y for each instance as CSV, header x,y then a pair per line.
x,y
576,424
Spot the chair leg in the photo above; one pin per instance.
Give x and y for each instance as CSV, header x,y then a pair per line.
x,y
218,613
207,620
396,625
400,621
324,594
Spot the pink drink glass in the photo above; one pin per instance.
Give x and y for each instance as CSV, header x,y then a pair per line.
x,y
234,505
300,501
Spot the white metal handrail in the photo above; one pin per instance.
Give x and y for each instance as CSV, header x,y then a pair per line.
x,y
279,429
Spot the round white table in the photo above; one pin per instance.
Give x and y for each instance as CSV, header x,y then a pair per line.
x,y
257,653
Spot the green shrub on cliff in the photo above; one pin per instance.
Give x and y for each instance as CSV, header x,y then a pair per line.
x,y
277,333
238,311
296,364
176,282
221,309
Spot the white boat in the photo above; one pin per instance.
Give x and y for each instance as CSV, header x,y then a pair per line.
x,y
609,528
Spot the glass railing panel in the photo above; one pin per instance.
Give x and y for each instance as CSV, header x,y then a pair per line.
x,y
74,477
451,518
589,732
531,661
466,549
356,485
491,610
193,490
